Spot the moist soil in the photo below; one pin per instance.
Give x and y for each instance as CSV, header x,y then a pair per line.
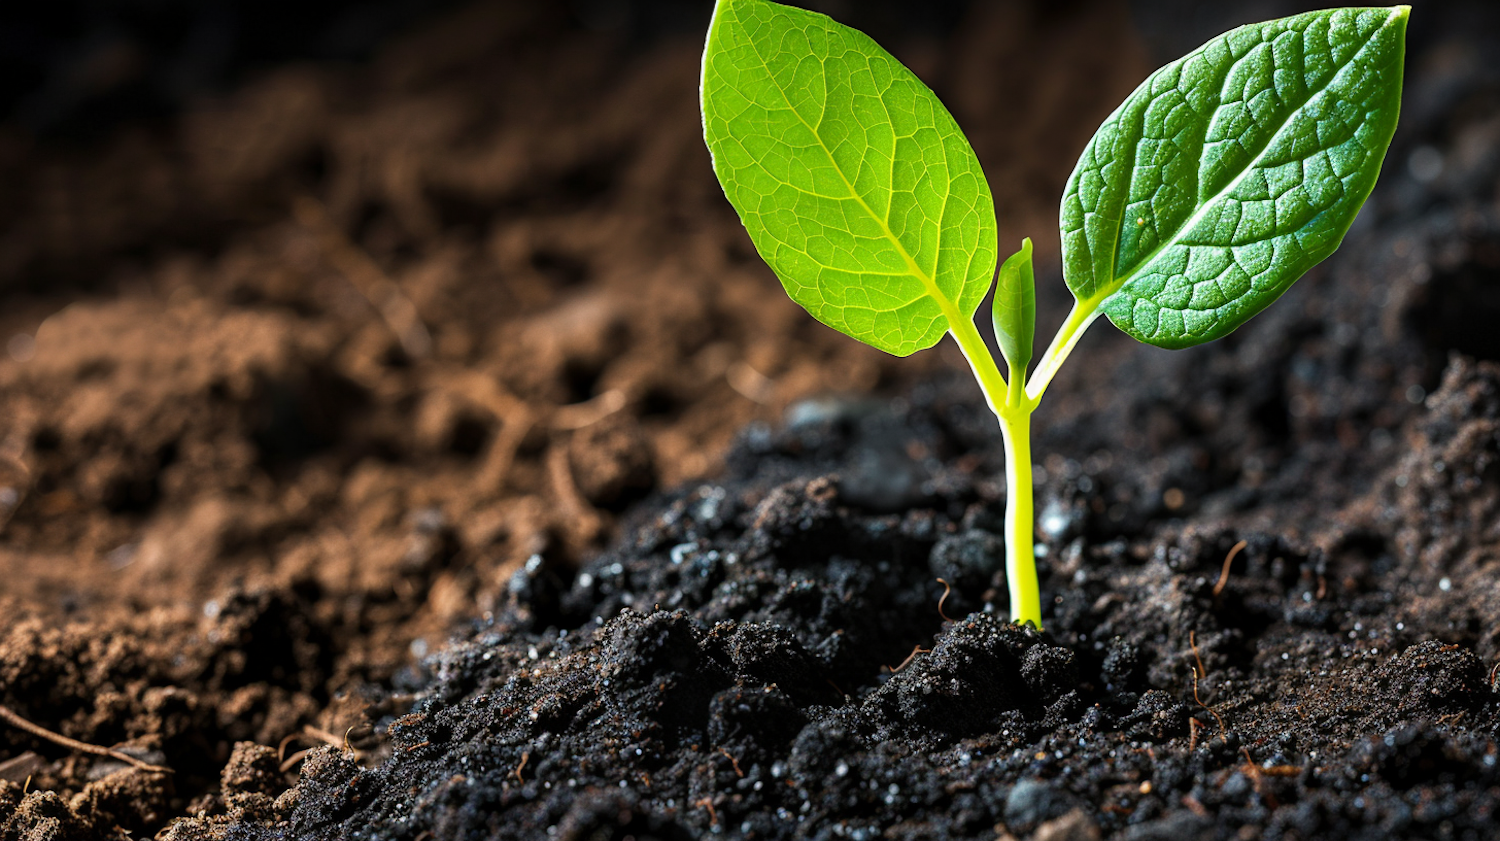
x,y
416,450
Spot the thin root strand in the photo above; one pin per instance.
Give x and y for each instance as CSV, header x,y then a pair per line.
x,y
525,757
732,761
1224,573
291,761
15,720
1199,674
915,650
281,748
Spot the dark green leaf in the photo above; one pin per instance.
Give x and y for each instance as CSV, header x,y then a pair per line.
x,y
1229,173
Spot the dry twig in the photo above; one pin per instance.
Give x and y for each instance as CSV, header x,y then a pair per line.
x,y
1255,773
16,721
328,738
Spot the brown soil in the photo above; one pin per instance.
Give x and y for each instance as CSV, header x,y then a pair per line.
x,y
298,380
464,344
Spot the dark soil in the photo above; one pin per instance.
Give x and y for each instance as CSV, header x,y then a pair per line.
x,y
466,341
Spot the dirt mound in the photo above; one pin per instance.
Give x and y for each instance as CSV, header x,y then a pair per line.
x,y
736,666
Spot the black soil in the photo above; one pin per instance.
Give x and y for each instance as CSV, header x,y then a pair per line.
x,y
1270,572
739,664
768,655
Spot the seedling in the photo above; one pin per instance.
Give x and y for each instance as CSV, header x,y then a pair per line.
x,y
1221,180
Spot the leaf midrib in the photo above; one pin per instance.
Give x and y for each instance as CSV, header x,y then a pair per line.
x,y
1119,282
949,307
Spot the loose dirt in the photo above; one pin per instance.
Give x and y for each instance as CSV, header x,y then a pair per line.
x,y
465,342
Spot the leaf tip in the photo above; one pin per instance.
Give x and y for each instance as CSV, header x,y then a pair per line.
x,y
1400,15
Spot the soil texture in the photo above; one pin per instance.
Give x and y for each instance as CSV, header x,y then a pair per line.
x,y
463,344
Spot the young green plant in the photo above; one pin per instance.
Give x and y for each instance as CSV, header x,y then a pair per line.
x,y
1221,180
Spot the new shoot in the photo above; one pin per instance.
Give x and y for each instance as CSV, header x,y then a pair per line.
x,y
1211,189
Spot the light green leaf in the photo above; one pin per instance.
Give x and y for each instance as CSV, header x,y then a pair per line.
x,y
1015,309
1232,171
854,182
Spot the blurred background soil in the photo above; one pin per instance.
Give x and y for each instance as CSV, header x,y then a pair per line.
x,y
321,321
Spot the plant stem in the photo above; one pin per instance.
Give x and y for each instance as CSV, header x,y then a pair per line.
x,y
981,361
1020,554
1079,319
1013,401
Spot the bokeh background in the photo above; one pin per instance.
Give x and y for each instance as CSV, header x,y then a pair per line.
x,y
321,318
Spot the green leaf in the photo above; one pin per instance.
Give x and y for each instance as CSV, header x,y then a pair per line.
x,y
1015,309
1232,171
855,183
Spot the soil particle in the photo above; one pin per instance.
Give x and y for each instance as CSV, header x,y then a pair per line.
x,y
753,719
252,775
1432,679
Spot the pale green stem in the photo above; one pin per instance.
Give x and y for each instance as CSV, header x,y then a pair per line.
x,y
1082,315
1020,554
1013,401
1009,403
986,372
